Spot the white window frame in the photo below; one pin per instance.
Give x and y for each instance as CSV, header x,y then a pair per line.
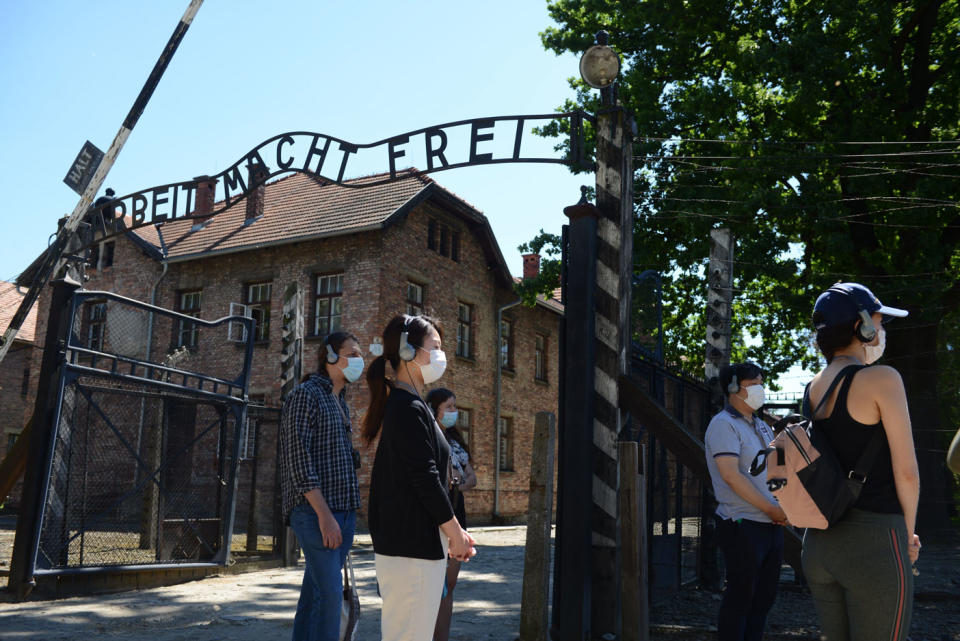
x,y
237,331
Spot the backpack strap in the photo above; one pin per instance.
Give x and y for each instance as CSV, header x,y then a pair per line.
x,y
833,385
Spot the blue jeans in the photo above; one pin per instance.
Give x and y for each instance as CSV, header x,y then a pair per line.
x,y
321,595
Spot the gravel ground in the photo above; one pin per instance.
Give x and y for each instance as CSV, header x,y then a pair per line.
x,y
257,606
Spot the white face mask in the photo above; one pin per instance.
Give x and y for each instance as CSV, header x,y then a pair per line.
x,y
874,352
755,397
433,370
354,368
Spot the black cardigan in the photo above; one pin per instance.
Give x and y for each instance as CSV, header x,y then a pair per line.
x,y
408,485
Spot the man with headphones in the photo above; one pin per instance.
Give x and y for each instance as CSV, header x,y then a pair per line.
x,y
749,518
318,482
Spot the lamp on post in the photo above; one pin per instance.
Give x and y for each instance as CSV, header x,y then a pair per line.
x,y
599,68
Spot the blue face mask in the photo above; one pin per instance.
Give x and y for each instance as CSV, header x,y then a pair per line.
x,y
353,369
449,419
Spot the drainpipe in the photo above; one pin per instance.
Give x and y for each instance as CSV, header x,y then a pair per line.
x,y
498,394
143,407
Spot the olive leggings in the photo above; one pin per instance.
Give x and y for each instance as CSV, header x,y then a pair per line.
x,y
859,573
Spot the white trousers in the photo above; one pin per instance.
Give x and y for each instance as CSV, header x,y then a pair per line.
x,y
411,590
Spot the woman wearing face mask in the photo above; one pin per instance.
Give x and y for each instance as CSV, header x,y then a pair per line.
x,y
411,519
444,405
859,568
318,482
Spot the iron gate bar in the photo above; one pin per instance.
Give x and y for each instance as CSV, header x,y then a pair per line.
x,y
68,375
82,297
147,469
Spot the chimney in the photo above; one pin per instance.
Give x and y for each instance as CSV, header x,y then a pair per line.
x,y
256,177
531,266
205,196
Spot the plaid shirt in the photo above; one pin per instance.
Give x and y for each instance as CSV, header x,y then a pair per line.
x,y
316,447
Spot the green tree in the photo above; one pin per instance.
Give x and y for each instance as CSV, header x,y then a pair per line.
x,y
746,113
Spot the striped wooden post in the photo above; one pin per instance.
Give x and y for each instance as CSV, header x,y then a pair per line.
x,y
611,339
291,366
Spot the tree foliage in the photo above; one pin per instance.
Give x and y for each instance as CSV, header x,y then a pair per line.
x,y
823,134
744,110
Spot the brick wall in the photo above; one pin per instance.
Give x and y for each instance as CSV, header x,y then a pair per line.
x,y
376,268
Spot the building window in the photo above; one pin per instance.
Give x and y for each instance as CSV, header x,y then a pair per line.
x,y
506,344
414,299
11,440
443,240
180,446
98,259
96,321
464,330
327,305
25,383
94,258
506,444
108,249
540,365
432,235
188,333
258,308
464,423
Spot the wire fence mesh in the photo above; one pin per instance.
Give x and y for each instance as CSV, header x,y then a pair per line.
x,y
146,458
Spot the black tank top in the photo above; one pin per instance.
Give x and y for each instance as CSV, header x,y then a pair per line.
x,y
849,438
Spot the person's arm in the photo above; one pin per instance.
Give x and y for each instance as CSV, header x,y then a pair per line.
x,y
461,543
953,456
729,468
416,457
891,399
302,426
469,477
329,528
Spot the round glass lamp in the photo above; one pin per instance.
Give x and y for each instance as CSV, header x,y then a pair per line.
x,y
599,66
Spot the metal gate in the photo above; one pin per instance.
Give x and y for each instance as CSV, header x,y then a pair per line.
x,y
146,440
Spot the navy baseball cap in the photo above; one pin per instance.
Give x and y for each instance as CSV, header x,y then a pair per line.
x,y
842,304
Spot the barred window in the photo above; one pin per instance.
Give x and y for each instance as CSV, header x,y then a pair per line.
x,y
506,344
414,299
258,305
464,330
464,423
540,350
328,304
506,444
96,323
188,333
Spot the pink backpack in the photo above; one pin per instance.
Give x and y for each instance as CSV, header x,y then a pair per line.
x,y
804,474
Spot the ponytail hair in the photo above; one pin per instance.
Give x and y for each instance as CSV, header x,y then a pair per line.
x,y
417,328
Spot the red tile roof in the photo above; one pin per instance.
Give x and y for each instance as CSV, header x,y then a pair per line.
x,y
297,207
552,303
10,298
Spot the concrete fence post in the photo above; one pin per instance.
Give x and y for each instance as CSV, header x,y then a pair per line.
x,y
536,565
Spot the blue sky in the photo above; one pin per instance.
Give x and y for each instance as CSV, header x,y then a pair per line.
x,y
246,71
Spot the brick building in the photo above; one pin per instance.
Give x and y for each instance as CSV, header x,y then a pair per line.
x,y
16,370
360,256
